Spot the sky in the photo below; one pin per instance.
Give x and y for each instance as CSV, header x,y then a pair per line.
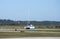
x,y
32,10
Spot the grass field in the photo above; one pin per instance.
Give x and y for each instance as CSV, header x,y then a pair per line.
x,y
26,34
10,27
21,27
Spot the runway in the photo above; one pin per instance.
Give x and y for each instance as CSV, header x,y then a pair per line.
x,y
34,38
25,29
29,30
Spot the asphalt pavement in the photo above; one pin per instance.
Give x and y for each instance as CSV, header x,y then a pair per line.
x,y
34,38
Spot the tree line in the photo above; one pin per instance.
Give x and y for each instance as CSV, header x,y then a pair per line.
x,y
38,23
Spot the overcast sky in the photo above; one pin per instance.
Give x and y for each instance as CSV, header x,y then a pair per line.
x,y
37,10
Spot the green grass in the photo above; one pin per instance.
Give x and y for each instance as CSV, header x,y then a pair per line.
x,y
21,27
43,30
27,34
48,30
